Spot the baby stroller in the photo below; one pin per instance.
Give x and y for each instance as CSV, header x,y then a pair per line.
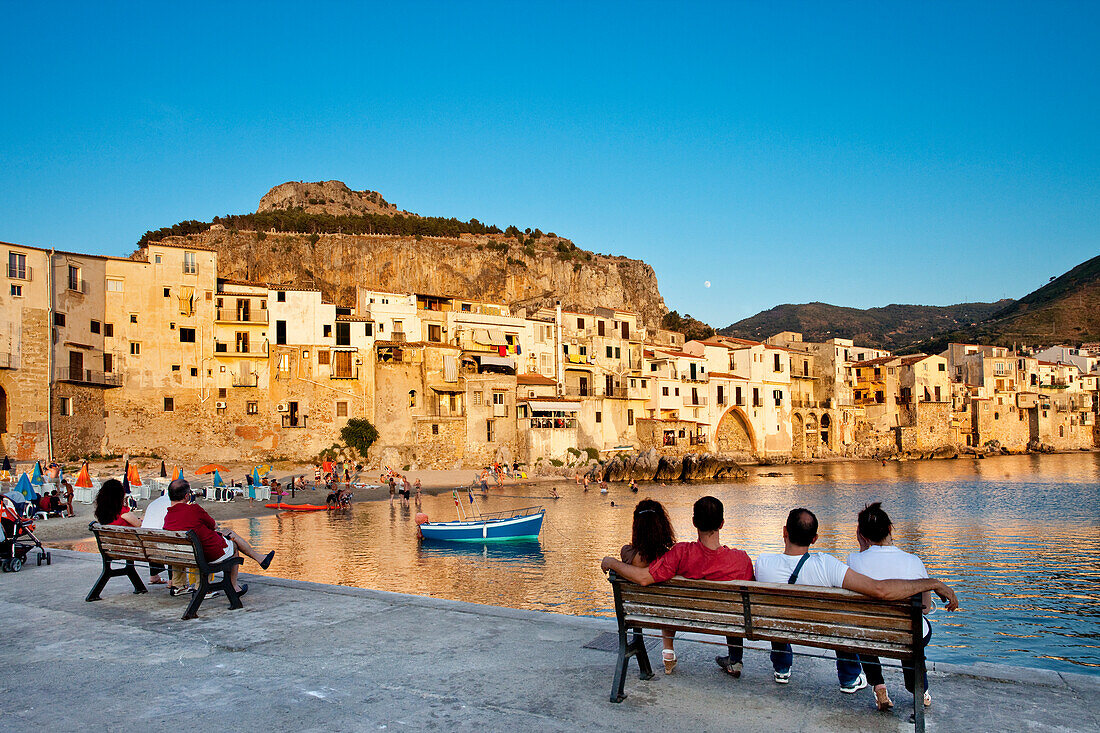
x,y
17,535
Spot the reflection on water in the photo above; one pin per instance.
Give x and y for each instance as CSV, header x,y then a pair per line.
x,y
1018,537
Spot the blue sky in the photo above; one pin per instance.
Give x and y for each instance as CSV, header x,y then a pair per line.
x,y
854,153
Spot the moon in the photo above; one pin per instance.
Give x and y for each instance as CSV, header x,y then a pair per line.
x,y
706,284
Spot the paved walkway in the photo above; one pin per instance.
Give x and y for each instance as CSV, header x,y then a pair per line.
x,y
303,656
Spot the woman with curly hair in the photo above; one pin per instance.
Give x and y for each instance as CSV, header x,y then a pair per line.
x,y
650,538
111,507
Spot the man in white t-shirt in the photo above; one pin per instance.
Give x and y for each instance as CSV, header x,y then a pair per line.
x,y
878,558
154,519
797,565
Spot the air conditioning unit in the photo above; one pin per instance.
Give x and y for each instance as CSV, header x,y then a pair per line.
x,y
283,407
219,405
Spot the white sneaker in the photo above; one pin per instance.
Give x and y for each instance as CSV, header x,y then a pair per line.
x,y
857,684
782,678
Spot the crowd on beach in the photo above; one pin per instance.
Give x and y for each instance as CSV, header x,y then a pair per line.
x,y
879,570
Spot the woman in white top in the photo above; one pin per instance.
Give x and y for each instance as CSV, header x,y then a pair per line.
x,y
879,559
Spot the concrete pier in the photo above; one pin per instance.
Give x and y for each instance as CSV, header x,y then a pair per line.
x,y
304,656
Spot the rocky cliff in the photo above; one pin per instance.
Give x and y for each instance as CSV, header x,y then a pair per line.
x,y
522,269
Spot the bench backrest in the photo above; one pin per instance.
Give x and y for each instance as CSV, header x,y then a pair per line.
x,y
830,618
181,549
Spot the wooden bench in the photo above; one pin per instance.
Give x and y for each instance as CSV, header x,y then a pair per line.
x,y
163,547
827,618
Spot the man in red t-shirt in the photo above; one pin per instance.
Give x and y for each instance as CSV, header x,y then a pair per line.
x,y
217,546
705,559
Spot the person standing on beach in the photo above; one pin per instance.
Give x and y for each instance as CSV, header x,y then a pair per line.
x,y
393,490
417,487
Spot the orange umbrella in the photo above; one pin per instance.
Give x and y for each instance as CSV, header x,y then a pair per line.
x,y
84,479
135,479
210,468
176,473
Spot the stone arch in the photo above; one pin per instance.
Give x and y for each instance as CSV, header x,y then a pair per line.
x,y
3,419
827,436
798,436
734,433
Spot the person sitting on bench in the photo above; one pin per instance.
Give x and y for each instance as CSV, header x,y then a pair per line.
x,y
796,565
218,546
705,559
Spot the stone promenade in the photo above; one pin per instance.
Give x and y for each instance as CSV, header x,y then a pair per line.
x,y
304,656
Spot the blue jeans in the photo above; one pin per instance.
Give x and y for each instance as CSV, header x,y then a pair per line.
x,y
847,665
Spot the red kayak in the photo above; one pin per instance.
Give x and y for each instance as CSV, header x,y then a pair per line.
x,y
298,507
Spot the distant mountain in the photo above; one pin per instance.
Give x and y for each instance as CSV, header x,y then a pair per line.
x,y
1064,311
891,327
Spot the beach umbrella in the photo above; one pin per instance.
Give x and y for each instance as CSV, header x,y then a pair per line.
x,y
255,477
176,473
36,477
163,471
210,468
265,469
327,466
7,464
126,479
218,478
84,479
132,475
25,488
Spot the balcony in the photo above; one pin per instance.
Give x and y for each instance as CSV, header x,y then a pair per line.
x,y
804,403
697,379
253,351
5,360
89,377
573,390
551,423
500,409
233,315
696,401
20,273
398,336
245,380
293,421
345,374
78,286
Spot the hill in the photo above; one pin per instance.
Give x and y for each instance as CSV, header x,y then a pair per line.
x,y
1064,311
891,327
326,236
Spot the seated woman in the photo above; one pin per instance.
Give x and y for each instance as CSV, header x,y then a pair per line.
x,y
111,507
650,538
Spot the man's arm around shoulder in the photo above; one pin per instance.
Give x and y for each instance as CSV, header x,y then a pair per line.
x,y
896,590
632,573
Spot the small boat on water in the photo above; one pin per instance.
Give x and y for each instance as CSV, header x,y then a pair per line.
x,y
516,524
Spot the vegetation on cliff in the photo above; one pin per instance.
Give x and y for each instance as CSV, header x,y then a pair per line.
x,y
692,328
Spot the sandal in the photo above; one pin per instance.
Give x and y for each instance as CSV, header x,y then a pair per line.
x,y
733,670
157,580
669,658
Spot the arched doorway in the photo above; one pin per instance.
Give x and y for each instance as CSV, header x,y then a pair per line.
x,y
826,423
3,411
798,436
735,434
812,446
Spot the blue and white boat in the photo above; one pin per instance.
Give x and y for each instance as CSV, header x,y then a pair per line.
x,y
517,524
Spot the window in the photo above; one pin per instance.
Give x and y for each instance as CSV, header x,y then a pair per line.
x,y
59,319
242,342
617,352
284,363
109,329
326,330
189,265
157,259
368,329
187,335
343,334
412,398
135,348
222,393
108,363
66,406
737,396
322,356
17,291
610,351
175,367
490,433
599,415
251,408
341,409
599,329
580,324
652,367
477,398
630,417
756,397
777,395
168,292
664,391
280,297
133,318
220,348
778,366
17,265
74,279
943,367
435,333
498,398
435,429
169,404
95,326
676,391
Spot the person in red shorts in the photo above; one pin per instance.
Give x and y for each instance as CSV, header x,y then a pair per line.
x,y
705,559
218,546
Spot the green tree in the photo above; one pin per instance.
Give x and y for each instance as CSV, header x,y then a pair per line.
x,y
359,434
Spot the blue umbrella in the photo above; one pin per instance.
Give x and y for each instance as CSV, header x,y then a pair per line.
x,y
36,476
256,477
25,488
218,478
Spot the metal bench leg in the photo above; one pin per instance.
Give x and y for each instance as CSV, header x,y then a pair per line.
x,y
645,671
93,594
230,592
618,685
132,574
198,597
918,694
